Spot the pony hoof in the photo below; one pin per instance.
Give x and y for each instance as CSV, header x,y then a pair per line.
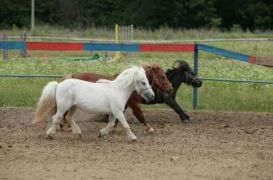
x,y
186,121
112,131
78,136
105,131
150,130
101,135
133,138
67,129
50,136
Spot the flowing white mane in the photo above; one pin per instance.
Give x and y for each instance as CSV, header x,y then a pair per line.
x,y
103,81
126,77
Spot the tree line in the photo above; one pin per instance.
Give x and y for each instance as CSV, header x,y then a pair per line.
x,y
188,14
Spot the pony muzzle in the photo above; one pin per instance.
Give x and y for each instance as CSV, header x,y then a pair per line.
x,y
147,94
197,83
169,90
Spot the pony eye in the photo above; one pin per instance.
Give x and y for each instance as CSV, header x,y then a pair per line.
x,y
143,83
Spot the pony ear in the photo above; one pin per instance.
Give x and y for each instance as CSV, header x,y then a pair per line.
x,y
156,68
181,64
147,68
176,64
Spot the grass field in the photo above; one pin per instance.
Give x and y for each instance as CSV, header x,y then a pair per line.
x,y
162,33
213,95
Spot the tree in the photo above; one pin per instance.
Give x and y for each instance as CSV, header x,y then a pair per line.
x,y
194,13
247,14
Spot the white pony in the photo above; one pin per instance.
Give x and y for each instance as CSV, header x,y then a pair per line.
x,y
107,97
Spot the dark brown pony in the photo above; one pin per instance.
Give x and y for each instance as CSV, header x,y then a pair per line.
x,y
157,78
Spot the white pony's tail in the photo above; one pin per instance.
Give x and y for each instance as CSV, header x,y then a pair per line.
x,y
46,106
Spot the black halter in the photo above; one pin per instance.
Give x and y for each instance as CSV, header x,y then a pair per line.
x,y
144,89
190,79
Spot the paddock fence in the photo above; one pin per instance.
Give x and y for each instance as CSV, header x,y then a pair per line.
x,y
25,46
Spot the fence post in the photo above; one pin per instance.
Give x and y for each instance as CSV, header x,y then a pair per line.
x,y
23,37
132,31
195,67
117,53
5,50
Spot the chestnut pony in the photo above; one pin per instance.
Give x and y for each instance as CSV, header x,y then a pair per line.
x,y
156,77
180,73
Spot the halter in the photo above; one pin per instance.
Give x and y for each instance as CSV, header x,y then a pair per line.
x,y
191,79
144,89
187,76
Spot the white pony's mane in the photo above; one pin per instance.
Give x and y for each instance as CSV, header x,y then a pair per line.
x,y
103,81
123,79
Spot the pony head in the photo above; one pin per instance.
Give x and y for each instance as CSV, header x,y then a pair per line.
x,y
158,78
182,70
136,76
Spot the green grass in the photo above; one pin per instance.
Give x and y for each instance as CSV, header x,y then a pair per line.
x,y
162,33
218,96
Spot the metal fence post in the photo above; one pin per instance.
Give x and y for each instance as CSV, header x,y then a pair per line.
x,y
5,50
195,67
23,37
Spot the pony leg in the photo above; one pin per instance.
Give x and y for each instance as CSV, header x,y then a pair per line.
x,y
140,117
105,131
55,122
64,125
174,105
126,106
70,120
124,123
77,131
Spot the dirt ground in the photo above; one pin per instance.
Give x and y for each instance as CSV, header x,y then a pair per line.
x,y
217,145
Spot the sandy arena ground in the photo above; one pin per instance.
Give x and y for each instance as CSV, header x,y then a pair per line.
x,y
215,146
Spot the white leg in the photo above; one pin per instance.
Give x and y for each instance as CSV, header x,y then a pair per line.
x,y
106,130
75,128
55,122
124,123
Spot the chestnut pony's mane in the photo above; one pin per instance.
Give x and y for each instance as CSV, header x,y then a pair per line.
x,y
147,66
